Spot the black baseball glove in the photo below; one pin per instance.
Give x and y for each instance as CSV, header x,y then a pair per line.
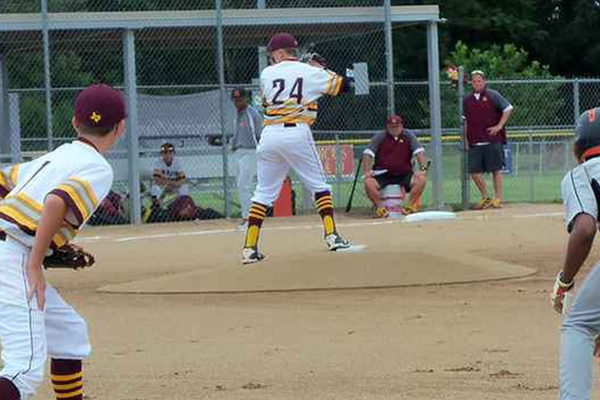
x,y
69,256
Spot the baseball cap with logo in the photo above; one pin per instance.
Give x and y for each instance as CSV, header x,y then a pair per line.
x,y
394,119
100,106
282,41
239,93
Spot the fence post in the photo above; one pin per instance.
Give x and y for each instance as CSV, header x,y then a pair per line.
x,y
47,77
464,149
433,61
542,144
338,169
531,169
567,155
389,55
5,133
576,104
223,106
132,128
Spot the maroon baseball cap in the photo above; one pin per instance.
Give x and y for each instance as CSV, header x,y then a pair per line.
x,y
100,106
394,119
282,41
239,93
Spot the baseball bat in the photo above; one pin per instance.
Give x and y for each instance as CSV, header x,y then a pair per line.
x,y
349,205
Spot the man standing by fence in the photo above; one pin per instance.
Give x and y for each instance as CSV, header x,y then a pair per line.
x,y
486,113
248,126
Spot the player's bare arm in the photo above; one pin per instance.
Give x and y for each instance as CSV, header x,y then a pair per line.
x,y
160,179
422,160
177,183
53,218
368,165
579,246
503,120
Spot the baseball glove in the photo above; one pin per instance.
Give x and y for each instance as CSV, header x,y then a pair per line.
x,y
69,256
314,58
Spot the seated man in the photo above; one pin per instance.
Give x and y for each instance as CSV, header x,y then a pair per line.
x,y
168,176
392,151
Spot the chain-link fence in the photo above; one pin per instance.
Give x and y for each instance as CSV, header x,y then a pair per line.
x,y
179,61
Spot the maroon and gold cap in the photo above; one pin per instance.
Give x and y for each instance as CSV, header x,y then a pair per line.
x,y
100,106
394,119
282,41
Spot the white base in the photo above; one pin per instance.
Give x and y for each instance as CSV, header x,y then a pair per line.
x,y
429,216
357,248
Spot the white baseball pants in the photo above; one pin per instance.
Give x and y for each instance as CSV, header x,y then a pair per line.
x,y
27,334
579,328
280,149
246,176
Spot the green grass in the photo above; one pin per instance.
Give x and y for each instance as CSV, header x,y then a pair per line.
x,y
517,188
534,179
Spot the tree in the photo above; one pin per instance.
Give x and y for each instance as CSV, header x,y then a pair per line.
x,y
536,103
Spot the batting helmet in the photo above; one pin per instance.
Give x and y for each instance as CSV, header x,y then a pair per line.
x,y
282,41
587,132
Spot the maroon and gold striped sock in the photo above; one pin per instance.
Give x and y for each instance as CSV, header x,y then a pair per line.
x,y
67,379
8,390
325,207
256,216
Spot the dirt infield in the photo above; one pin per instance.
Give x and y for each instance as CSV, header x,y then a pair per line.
x,y
486,340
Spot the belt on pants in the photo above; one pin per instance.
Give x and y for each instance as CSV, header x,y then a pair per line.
x,y
288,125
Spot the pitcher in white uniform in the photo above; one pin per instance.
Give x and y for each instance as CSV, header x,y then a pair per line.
x,y
45,202
290,92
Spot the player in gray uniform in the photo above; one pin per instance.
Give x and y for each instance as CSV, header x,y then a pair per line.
x,y
581,193
248,126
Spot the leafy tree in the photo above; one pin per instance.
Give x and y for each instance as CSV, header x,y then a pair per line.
x,y
541,103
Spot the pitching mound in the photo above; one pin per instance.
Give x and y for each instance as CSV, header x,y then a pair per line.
x,y
328,271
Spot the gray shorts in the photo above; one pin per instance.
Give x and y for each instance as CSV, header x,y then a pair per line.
x,y
486,158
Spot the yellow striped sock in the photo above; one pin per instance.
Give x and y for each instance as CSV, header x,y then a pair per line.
x,y
329,225
68,387
252,236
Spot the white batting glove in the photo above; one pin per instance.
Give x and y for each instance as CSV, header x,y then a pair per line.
x,y
559,293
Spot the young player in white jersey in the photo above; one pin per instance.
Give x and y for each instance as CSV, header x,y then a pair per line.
x,y
581,196
290,92
45,202
169,175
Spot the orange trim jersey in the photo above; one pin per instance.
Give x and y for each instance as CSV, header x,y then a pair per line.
x,y
76,172
291,89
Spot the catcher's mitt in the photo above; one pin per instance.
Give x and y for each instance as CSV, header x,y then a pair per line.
x,y
69,256
314,58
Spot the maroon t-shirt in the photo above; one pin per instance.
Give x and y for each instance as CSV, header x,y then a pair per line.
x,y
394,155
483,113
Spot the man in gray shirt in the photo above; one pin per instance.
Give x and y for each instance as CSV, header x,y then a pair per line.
x,y
248,126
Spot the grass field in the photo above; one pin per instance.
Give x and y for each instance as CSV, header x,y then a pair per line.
x,y
537,171
525,187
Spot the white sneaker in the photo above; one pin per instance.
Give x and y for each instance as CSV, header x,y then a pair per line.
x,y
336,242
251,256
